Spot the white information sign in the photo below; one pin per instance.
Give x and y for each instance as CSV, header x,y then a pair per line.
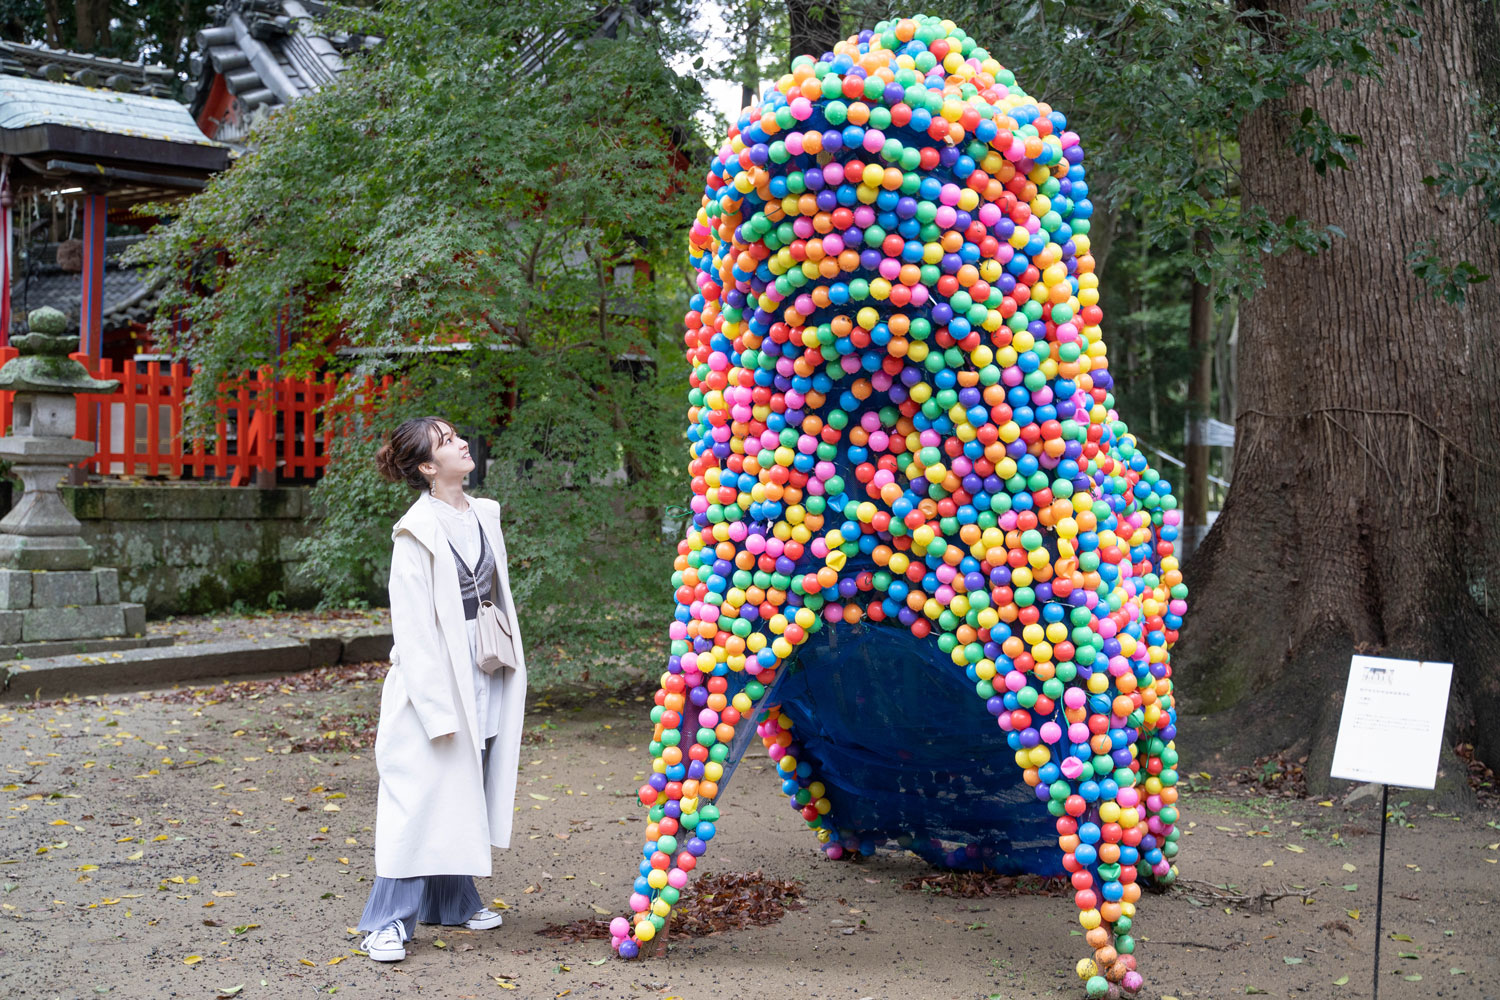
x,y
1392,726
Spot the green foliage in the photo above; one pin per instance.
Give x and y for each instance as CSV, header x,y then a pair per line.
x,y
346,555
502,176
1146,302
1446,279
1475,180
1159,89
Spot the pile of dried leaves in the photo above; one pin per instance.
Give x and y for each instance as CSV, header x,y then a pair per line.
x,y
340,732
734,901
578,930
1276,772
975,885
727,902
1486,786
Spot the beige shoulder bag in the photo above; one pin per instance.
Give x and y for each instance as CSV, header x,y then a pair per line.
x,y
494,646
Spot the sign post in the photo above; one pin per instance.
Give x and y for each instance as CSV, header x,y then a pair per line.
x,y
1391,732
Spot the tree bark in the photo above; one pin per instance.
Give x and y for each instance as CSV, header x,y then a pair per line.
x,y
1226,342
91,24
1363,511
750,71
814,26
1200,399
52,12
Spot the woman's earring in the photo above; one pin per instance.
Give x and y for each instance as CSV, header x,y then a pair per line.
x,y
432,486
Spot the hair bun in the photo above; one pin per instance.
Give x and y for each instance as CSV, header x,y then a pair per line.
x,y
385,464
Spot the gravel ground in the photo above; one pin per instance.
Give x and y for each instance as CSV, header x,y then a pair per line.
x,y
216,841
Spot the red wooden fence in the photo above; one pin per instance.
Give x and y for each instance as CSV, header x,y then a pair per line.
x,y
267,429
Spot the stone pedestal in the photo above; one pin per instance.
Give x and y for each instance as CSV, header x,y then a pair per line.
x,y
40,532
50,591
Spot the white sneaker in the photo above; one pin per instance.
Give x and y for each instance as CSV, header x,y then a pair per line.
x,y
484,920
386,944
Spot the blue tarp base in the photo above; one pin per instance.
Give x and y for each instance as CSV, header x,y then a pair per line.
x,y
909,756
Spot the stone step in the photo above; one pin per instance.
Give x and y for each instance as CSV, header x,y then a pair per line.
x,y
38,650
161,666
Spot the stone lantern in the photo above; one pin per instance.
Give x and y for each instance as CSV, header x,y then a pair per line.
x,y
49,588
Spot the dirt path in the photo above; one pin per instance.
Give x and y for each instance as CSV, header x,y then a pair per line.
x,y
234,824
187,630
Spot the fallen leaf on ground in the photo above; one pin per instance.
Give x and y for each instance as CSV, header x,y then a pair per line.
x,y
974,885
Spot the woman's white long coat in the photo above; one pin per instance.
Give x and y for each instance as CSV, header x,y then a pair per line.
x,y
436,814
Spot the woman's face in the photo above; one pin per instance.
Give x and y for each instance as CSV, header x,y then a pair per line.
x,y
450,461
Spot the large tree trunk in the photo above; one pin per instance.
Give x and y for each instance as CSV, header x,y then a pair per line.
x,y
1366,486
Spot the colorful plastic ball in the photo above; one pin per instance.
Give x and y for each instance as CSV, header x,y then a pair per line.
x,y
901,415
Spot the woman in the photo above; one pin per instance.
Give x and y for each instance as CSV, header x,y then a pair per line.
x,y
450,735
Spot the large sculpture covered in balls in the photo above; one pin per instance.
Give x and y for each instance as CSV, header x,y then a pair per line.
x,y
911,488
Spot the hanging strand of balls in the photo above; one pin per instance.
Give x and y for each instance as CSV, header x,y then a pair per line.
x,y
894,278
